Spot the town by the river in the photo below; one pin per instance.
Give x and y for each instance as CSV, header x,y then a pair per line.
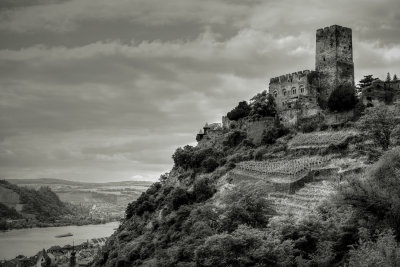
x,y
29,241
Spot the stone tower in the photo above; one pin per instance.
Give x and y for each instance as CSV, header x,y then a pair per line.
x,y
334,58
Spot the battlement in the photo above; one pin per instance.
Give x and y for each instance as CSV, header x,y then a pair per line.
x,y
331,29
290,77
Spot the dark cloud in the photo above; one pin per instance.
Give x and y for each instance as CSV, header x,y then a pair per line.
x,y
98,91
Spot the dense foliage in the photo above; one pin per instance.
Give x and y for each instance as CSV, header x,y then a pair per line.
x,y
377,197
366,81
43,203
263,105
10,213
272,133
198,159
241,111
343,98
378,123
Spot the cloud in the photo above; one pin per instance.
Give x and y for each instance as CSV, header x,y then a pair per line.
x,y
117,104
66,16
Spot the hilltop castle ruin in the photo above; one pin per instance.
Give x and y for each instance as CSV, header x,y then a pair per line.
x,y
299,95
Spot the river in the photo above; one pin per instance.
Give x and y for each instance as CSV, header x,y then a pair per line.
x,y
29,241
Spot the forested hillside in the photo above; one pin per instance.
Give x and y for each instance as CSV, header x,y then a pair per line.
x,y
43,204
322,198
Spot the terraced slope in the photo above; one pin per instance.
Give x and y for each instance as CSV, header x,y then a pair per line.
x,y
283,171
319,139
304,200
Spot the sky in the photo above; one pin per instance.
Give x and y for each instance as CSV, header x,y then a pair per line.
x,y
100,90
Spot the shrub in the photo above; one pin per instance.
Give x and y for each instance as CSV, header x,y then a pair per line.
x,y
323,127
183,156
358,109
272,133
378,194
210,164
263,104
203,189
179,197
246,208
241,111
234,138
342,98
379,122
309,127
385,251
244,247
259,154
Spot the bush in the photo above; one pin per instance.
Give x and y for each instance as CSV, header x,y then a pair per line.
x,y
241,111
309,127
385,251
377,196
263,105
259,154
246,208
203,189
270,135
210,164
179,197
235,138
343,98
183,156
323,127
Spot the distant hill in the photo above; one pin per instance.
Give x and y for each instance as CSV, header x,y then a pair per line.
x,y
44,204
68,182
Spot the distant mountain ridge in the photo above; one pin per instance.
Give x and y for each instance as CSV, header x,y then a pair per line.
x,y
69,182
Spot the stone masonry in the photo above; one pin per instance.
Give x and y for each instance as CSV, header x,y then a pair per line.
x,y
333,67
334,59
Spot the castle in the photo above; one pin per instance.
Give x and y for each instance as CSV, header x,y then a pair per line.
x,y
300,95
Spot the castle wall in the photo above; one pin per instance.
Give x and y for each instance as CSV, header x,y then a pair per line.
x,y
255,129
287,88
306,107
334,58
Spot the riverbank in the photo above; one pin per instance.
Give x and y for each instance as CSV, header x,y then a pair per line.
x,y
29,241
6,225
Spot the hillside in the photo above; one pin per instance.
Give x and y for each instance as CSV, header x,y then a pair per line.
x,y
98,202
311,198
42,205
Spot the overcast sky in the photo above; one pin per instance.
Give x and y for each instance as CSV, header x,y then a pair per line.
x,y
100,90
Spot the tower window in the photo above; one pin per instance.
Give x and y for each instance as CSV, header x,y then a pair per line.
x,y
323,58
275,94
302,90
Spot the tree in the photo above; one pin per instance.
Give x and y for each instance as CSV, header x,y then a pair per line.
x,y
395,78
385,251
183,156
263,104
388,79
366,81
379,122
241,111
342,98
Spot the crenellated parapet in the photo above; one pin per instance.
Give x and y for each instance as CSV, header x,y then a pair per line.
x,y
286,89
290,77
